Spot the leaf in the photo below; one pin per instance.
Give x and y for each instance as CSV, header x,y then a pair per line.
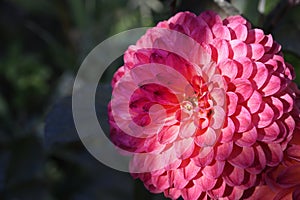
x,y
59,127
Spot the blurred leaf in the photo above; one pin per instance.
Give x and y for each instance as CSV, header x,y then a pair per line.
x,y
295,61
59,127
249,9
27,162
270,5
286,32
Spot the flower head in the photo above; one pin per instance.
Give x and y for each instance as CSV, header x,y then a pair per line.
x,y
204,105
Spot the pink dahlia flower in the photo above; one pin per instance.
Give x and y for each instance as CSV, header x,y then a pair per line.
x,y
204,106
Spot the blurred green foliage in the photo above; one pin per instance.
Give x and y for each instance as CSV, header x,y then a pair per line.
x,y
42,45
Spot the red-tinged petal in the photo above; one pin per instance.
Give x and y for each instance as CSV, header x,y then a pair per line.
x,y
218,116
261,74
227,131
238,31
233,176
236,19
267,42
232,100
177,179
264,117
241,119
255,51
208,138
294,152
223,151
190,171
287,101
289,177
191,193
222,49
260,161
219,189
254,102
228,68
206,35
255,36
274,154
246,139
218,95
250,180
290,124
236,193
184,148
277,106
168,134
214,170
211,18
270,133
245,68
187,129
241,157
202,161
239,48
273,85
161,182
172,193
221,32
205,183
243,88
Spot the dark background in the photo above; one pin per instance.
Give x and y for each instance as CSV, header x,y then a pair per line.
x,y
42,44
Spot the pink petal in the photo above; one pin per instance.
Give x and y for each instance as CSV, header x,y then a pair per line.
x,y
191,193
178,179
189,171
267,42
238,31
246,67
273,86
239,48
241,157
218,95
259,161
261,74
274,154
222,48
218,116
161,182
277,106
208,138
287,101
254,102
228,68
202,161
241,119
168,134
255,51
214,170
246,139
219,189
172,193
184,148
233,176
255,36
221,32
232,100
269,133
243,88
227,131
205,183
264,117
210,18
187,129
223,151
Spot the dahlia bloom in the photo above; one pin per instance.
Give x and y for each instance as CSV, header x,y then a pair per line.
x,y
205,106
